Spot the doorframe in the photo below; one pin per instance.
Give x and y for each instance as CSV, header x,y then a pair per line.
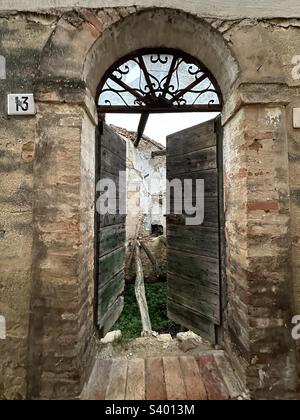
x,y
98,135
219,131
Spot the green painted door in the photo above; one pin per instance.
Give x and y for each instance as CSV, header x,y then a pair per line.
x,y
110,232
194,263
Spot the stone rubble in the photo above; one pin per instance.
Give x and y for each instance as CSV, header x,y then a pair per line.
x,y
188,341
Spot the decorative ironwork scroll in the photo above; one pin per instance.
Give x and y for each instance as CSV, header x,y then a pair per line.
x,y
159,80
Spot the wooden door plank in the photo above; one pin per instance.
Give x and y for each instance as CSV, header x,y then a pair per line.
x,y
117,381
110,234
192,294
155,380
111,219
110,292
194,138
194,266
210,178
100,383
216,389
113,142
210,215
111,163
189,290
191,320
227,374
199,240
111,316
174,379
195,388
199,160
110,238
194,252
136,381
111,265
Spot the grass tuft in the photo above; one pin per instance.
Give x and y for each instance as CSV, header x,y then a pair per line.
x,y
130,321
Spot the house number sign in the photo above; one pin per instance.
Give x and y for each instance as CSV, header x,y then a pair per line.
x,y
21,104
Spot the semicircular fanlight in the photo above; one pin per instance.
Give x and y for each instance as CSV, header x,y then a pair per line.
x,y
159,80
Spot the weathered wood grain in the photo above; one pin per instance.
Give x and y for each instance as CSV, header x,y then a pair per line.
x,y
110,234
136,380
140,293
200,240
216,389
110,238
211,214
199,160
155,380
100,383
111,163
111,219
202,300
110,292
113,142
111,316
151,258
195,138
210,178
204,269
194,385
161,378
193,251
111,264
191,320
116,389
174,379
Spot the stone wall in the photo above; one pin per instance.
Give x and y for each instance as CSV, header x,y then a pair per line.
x,y
258,235
46,192
55,295
17,156
86,337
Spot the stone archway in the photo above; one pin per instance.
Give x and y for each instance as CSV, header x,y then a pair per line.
x,y
61,347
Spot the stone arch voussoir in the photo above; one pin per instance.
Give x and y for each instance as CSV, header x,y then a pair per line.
x,y
84,45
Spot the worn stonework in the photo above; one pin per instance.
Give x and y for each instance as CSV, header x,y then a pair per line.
x,y
47,181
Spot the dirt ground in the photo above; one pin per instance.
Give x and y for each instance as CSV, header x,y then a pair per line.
x,y
148,347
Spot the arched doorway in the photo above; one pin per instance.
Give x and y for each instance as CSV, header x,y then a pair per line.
x,y
163,81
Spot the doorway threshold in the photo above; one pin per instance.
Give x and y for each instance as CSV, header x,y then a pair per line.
x,y
208,376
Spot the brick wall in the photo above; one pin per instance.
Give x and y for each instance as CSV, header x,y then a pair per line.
x,y
259,265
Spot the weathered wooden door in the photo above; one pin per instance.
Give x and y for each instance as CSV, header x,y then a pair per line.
x,y
194,263
110,231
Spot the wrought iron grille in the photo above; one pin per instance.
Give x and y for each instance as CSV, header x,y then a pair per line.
x,y
160,80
